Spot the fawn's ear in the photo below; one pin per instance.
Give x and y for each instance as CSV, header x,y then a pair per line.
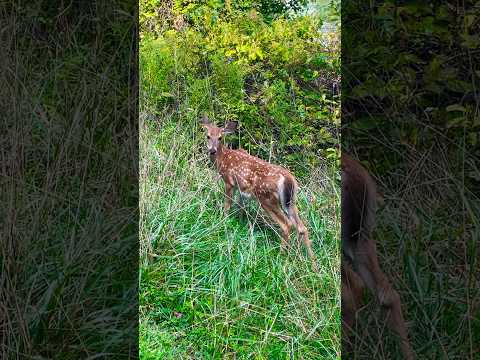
x,y
204,121
230,127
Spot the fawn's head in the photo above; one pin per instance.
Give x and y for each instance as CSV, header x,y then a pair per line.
x,y
214,133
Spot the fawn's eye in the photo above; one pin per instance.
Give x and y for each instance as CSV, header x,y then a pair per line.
x,y
219,138
208,137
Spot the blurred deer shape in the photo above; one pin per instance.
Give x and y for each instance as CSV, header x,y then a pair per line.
x,y
360,266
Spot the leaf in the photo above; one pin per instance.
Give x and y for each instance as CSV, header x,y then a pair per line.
x,y
459,86
472,140
469,20
366,123
470,41
474,175
455,107
456,122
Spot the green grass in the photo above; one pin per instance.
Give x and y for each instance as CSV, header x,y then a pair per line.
x,y
215,286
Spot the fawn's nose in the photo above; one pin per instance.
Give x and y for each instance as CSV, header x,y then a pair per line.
x,y
212,151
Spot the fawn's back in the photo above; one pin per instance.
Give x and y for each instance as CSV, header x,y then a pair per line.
x,y
253,176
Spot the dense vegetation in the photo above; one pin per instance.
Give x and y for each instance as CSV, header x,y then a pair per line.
x,y
279,78
216,286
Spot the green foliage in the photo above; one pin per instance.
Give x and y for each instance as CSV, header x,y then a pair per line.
x,y
275,77
159,15
422,65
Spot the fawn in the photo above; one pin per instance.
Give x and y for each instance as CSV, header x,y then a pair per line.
x,y
360,264
273,186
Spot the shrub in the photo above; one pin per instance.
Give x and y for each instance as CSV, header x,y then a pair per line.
x,y
270,73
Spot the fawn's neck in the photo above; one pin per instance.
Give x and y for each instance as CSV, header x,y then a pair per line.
x,y
219,155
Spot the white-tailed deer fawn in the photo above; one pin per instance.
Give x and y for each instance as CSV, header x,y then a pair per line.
x,y
360,266
273,186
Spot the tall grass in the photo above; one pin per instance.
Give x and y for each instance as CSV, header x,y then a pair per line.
x,y
216,286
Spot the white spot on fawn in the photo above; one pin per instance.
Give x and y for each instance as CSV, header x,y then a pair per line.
x,y
245,194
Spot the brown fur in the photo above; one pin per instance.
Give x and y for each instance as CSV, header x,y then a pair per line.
x,y
255,177
360,266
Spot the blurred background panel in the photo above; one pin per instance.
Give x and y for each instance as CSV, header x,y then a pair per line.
x,y
68,180
410,115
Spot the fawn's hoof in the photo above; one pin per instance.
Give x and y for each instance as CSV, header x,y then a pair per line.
x,y
283,249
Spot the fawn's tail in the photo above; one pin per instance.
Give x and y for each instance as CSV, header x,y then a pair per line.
x,y
287,188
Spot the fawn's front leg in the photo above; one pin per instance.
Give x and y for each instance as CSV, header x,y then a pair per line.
x,y
228,197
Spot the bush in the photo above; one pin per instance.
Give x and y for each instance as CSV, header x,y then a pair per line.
x,y
276,77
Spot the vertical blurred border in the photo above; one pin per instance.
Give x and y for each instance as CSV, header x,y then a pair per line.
x,y
68,174
410,115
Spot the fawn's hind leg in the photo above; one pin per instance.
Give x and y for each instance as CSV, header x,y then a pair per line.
x,y
352,288
302,231
282,220
369,270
